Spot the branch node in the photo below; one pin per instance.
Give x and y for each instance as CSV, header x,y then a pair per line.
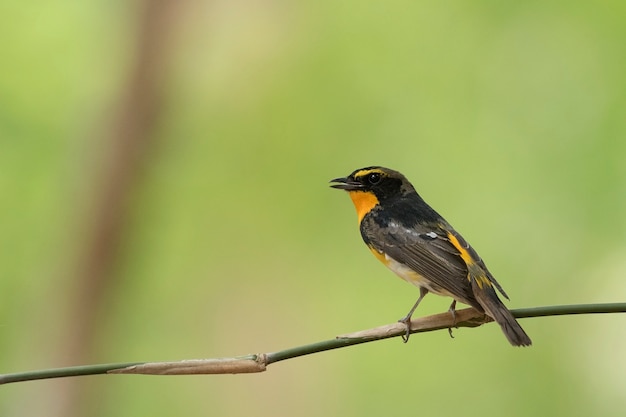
x,y
240,365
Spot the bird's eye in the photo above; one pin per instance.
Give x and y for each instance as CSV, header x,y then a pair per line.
x,y
374,178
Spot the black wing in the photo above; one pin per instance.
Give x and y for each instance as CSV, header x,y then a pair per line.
x,y
429,251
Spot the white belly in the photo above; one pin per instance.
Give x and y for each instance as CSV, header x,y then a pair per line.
x,y
412,277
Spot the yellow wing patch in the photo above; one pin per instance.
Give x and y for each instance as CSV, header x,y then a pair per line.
x,y
479,276
474,271
465,255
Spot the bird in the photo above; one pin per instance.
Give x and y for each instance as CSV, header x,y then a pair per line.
x,y
421,247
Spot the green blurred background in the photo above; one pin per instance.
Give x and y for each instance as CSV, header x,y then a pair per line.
x,y
509,118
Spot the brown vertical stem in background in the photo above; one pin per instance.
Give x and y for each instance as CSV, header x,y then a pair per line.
x,y
128,143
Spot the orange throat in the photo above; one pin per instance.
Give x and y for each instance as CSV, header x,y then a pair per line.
x,y
364,202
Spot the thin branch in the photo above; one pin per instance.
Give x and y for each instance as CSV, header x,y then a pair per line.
x,y
258,362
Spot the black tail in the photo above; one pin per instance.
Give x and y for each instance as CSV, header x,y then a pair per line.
x,y
488,299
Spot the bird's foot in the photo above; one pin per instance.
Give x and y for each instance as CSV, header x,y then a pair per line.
x,y
407,322
452,311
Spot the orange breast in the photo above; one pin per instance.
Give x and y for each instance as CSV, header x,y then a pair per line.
x,y
363,201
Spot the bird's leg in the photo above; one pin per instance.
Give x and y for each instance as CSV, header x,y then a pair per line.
x,y
407,319
452,311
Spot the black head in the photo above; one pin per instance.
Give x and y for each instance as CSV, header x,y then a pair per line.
x,y
382,182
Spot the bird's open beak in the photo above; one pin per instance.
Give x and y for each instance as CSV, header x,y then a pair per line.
x,y
346,184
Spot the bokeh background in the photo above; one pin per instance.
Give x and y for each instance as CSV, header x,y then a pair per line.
x,y
164,195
